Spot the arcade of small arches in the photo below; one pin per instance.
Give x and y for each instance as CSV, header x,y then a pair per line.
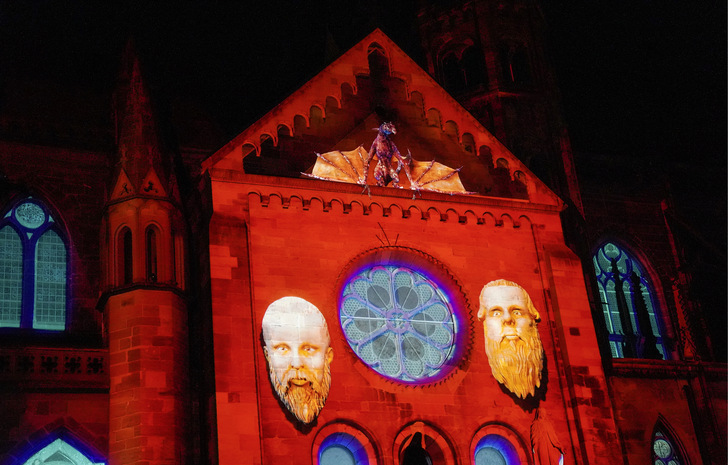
x,y
462,67
160,264
255,144
347,443
145,246
394,210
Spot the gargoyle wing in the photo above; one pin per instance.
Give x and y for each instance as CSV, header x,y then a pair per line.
x,y
341,166
434,176
422,175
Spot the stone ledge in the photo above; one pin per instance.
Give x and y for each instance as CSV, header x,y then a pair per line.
x,y
643,368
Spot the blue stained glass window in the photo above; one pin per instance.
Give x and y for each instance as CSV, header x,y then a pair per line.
x,y
494,449
623,285
50,283
489,456
399,322
336,455
663,450
11,277
342,449
33,267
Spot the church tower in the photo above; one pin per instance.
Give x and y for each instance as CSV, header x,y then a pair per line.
x,y
144,305
489,55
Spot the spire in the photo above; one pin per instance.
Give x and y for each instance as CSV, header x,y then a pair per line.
x,y
141,164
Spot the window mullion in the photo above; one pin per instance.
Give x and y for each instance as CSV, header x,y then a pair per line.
x,y
28,300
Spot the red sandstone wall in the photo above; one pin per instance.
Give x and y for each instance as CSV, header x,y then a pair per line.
x,y
148,378
31,416
638,405
238,433
288,248
716,388
72,183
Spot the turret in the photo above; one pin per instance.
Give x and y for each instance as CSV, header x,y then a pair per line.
x,y
144,303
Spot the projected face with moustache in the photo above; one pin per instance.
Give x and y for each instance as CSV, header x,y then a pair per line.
x,y
512,342
297,350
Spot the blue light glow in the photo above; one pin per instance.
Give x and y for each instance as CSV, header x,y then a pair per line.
x,y
64,450
340,448
495,449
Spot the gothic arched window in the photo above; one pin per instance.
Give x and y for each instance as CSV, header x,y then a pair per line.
x,y
150,239
453,73
124,257
664,451
515,63
464,70
33,268
378,61
629,305
474,67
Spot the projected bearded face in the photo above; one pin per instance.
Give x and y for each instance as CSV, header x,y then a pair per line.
x,y
297,350
512,342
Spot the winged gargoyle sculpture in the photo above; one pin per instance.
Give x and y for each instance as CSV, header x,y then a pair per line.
x,y
354,166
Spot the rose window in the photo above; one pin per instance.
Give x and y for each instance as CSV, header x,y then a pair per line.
x,y
399,322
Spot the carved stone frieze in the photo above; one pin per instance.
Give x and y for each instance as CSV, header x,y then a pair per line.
x,y
55,367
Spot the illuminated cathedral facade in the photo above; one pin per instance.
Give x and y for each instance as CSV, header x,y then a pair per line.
x,y
323,288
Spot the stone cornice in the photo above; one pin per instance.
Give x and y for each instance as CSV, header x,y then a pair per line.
x,y
641,368
143,197
145,285
327,196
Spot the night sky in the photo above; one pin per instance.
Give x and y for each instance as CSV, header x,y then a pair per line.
x,y
640,79
648,78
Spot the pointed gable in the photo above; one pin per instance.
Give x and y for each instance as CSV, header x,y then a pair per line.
x,y
341,107
151,185
123,187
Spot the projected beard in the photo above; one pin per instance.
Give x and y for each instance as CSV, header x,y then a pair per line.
x,y
301,393
512,342
517,363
